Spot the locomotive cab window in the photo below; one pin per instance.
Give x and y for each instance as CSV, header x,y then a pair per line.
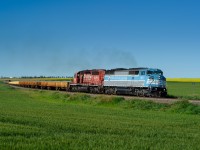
x,y
87,72
159,72
95,73
155,72
133,72
149,72
110,72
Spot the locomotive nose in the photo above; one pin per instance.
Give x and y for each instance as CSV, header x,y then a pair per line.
x,y
161,81
161,77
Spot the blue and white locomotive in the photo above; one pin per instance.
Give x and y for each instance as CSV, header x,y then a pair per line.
x,y
135,81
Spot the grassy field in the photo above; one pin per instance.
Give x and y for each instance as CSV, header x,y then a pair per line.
x,y
184,90
52,120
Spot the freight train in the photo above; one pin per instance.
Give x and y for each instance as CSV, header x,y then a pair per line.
x,y
133,81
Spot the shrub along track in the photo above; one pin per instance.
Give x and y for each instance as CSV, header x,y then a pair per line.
x,y
126,97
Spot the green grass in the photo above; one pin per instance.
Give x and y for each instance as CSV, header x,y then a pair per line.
x,y
184,90
53,120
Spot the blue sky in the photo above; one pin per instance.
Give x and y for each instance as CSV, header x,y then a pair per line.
x,y
60,37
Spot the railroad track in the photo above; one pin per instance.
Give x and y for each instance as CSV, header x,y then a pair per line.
x,y
126,97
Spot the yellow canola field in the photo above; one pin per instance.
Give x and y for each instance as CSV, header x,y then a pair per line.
x,y
183,79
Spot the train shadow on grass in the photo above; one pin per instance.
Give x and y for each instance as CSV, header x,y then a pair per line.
x,y
171,96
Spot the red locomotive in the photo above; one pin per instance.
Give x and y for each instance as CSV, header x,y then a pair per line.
x,y
88,81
